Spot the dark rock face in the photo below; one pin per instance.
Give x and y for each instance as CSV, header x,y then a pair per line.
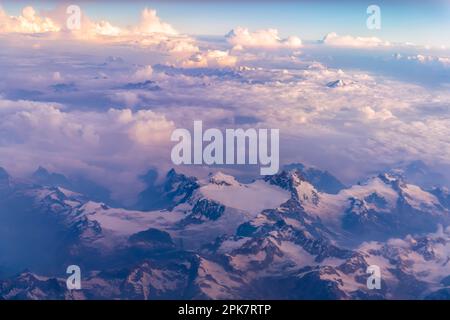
x,y
45,178
336,84
441,294
151,239
209,209
373,218
443,196
446,281
145,85
204,210
177,188
323,181
361,219
81,185
151,235
27,286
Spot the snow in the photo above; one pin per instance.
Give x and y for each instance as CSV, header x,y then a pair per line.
x,y
220,178
214,281
295,254
420,199
69,193
252,198
72,203
431,271
332,207
121,222
229,245
307,194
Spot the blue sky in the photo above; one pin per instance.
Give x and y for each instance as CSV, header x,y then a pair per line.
x,y
420,22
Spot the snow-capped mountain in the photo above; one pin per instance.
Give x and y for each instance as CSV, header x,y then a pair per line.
x,y
419,173
337,83
278,237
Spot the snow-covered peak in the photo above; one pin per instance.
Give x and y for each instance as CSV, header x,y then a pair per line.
x,y
220,178
336,83
389,177
251,198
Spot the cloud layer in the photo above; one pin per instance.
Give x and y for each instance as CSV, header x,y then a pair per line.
x,y
103,101
333,39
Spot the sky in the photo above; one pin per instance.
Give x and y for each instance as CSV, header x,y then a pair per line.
x,y
419,22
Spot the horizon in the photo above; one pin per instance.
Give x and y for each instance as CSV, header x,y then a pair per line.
x,y
403,21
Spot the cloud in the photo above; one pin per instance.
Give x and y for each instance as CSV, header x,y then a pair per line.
x,y
267,38
333,39
113,147
371,114
149,32
105,28
366,123
27,22
151,23
143,74
210,59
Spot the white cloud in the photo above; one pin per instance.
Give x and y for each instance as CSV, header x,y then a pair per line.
x,y
143,74
333,39
27,22
425,59
371,114
105,28
268,38
151,23
210,59
113,147
150,31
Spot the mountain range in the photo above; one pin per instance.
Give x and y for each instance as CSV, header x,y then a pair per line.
x,y
299,234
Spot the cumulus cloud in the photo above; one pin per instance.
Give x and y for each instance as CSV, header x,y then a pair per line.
x,y
210,59
105,28
151,23
267,38
28,22
149,32
143,74
333,39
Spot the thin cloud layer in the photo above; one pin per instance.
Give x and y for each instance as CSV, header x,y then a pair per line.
x,y
333,39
